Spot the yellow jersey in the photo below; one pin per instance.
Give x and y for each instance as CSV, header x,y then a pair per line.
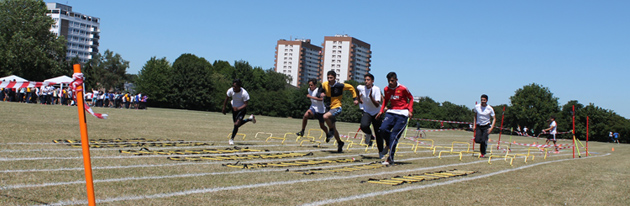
x,y
335,92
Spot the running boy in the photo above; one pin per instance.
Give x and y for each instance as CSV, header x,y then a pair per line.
x,y
370,102
334,90
397,115
482,126
552,132
240,98
317,109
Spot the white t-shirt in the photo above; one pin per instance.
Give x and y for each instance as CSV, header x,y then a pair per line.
x,y
316,105
367,104
553,126
484,114
238,99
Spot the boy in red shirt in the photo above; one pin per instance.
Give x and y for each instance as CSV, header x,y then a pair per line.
x,y
397,115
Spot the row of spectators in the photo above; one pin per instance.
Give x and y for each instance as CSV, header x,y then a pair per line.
x,y
117,99
52,95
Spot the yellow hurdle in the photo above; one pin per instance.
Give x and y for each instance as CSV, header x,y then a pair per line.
x,y
505,157
279,138
308,134
528,153
453,147
257,133
418,145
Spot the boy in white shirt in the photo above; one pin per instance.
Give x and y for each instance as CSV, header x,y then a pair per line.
x,y
552,132
370,103
317,109
483,126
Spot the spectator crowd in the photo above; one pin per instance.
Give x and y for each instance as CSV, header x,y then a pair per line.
x,y
52,95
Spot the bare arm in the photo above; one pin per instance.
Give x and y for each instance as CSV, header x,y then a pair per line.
x,y
474,121
224,103
376,103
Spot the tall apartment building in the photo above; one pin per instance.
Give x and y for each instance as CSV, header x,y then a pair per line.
x,y
347,56
81,31
298,59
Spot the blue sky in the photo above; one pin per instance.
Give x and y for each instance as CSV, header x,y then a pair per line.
x,y
447,50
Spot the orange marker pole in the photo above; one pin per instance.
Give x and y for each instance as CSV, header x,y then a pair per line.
x,y
85,143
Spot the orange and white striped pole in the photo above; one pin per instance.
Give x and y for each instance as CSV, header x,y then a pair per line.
x,y
85,142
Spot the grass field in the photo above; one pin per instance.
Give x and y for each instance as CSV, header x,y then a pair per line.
x,y
35,171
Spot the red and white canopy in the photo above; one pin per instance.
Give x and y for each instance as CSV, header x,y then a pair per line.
x,y
17,85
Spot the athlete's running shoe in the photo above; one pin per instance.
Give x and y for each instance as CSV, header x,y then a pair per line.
x,y
231,141
251,117
300,134
340,146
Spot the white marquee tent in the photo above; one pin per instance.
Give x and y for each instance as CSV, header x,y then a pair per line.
x,y
13,78
60,80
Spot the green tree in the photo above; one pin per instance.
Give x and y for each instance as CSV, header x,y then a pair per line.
x,y
426,108
532,105
108,71
154,81
27,47
191,75
224,68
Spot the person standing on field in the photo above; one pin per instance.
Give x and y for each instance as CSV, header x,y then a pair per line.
x,y
317,109
553,126
483,126
240,99
397,115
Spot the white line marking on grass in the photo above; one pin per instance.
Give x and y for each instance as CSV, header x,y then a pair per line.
x,y
217,189
338,200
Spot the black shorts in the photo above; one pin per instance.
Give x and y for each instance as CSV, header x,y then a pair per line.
x,y
551,137
239,115
318,116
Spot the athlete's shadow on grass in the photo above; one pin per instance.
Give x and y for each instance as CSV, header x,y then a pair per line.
x,y
325,149
24,199
244,144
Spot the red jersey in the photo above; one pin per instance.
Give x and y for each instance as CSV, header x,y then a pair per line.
x,y
400,97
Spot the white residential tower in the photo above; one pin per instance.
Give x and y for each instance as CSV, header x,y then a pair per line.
x,y
81,31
